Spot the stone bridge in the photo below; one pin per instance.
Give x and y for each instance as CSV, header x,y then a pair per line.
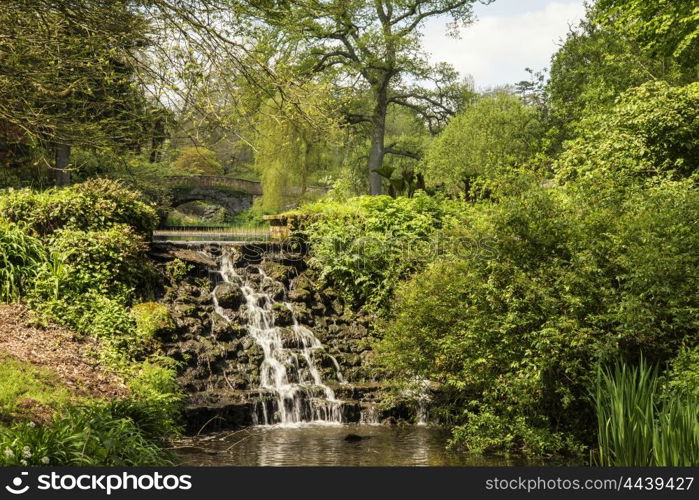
x,y
231,193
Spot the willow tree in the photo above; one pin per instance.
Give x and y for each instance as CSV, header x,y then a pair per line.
x,y
292,143
373,45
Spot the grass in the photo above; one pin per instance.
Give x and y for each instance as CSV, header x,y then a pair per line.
x,y
637,426
24,389
121,433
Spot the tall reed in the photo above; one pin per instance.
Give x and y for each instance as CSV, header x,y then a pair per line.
x,y
637,426
21,256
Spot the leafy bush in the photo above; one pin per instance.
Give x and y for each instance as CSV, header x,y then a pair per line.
x,y
104,434
496,132
97,315
366,245
21,257
154,385
683,378
152,320
549,283
108,260
93,205
651,131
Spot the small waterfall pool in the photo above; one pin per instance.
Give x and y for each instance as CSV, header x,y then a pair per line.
x,y
327,445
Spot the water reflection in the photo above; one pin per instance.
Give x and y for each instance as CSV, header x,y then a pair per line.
x,y
339,445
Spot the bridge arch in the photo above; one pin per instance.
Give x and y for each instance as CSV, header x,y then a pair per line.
x,y
231,193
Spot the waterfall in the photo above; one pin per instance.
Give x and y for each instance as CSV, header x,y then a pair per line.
x,y
291,386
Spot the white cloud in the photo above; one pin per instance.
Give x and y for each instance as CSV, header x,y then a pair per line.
x,y
496,49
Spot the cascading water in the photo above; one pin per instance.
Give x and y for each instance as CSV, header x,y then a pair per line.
x,y
288,372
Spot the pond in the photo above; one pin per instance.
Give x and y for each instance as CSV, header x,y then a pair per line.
x,y
328,445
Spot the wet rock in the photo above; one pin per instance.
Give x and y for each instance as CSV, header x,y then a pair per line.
x,y
354,438
274,289
193,257
282,315
277,271
301,289
180,310
229,296
289,339
224,329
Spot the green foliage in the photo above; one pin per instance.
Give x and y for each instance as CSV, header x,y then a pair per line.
x,y
68,77
154,387
21,257
197,161
636,427
107,318
486,431
92,205
23,385
292,145
652,130
367,245
102,434
683,378
496,132
110,260
89,281
536,289
176,270
153,320
663,27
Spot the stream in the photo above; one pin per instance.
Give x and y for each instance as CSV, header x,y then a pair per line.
x,y
327,445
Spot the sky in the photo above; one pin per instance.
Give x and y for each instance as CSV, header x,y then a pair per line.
x,y
507,37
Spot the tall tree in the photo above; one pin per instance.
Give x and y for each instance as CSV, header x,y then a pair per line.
x,y
85,73
602,57
375,45
497,132
67,74
665,28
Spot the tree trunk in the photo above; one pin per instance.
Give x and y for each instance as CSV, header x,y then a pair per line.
x,y
62,161
377,140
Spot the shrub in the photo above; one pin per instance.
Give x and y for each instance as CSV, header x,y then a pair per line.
x,y
153,320
102,317
21,257
549,283
683,378
651,131
109,260
366,245
154,385
92,205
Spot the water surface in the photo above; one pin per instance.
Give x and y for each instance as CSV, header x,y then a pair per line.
x,y
319,445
